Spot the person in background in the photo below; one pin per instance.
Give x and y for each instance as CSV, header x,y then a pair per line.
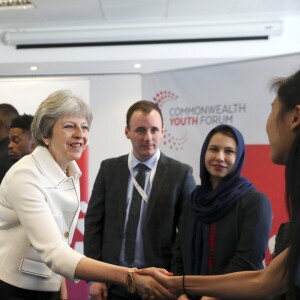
x,y
226,222
39,208
115,230
20,137
7,114
282,275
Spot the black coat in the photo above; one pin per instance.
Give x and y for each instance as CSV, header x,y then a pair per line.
x,y
104,221
241,237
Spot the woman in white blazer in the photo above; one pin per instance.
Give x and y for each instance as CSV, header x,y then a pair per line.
x,y
39,208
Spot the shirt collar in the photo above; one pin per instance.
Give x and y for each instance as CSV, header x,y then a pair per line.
x,y
150,163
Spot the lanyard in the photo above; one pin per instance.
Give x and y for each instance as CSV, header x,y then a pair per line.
x,y
135,183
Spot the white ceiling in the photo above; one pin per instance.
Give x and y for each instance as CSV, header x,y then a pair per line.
x,y
74,13
78,15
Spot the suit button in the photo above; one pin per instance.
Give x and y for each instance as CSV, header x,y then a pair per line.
x,y
66,234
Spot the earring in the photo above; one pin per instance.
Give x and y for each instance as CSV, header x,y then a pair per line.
x,y
46,142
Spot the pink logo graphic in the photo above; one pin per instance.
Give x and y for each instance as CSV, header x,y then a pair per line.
x,y
169,139
164,96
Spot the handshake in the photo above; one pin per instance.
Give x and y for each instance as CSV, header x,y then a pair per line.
x,y
153,283
148,283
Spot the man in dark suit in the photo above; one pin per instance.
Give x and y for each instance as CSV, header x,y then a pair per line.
x,y
7,114
108,222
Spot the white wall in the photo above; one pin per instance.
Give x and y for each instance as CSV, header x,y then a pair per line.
x,y
114,94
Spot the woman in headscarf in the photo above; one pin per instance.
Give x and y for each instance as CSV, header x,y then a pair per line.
x,y
226,224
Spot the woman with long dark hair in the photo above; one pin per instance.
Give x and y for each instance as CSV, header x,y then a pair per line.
x,y
283,274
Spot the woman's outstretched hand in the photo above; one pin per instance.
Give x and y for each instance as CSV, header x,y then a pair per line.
x,y
148,287
159,284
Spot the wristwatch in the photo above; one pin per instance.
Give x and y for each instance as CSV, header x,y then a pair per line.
x,y
130,282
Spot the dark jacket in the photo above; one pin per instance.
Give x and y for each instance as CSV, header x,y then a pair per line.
x,y
104,221
241,237
5,161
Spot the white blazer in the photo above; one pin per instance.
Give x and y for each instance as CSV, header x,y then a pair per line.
x,y
39,208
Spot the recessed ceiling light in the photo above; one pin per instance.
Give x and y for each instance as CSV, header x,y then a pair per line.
x,y
137,66
16,4
33,68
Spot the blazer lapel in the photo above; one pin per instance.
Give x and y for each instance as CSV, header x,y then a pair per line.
x,y
122,173
159,179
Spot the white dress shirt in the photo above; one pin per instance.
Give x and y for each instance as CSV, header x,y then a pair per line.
x,y
151,163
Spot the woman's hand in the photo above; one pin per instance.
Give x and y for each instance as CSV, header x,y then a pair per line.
x,y
183,297
98,291
163,277
63,289
149,288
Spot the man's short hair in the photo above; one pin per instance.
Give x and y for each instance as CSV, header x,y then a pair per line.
x,y
22,122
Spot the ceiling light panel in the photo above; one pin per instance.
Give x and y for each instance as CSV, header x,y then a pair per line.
x,y
16,4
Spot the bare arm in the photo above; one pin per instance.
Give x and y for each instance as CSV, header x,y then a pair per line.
x,y
242,285
89,269
63,289
252,285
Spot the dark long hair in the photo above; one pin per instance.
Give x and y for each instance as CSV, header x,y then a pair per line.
x,y
288,92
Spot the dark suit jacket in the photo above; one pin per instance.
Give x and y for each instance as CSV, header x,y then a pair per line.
x,y
104,221
241,237
5,161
